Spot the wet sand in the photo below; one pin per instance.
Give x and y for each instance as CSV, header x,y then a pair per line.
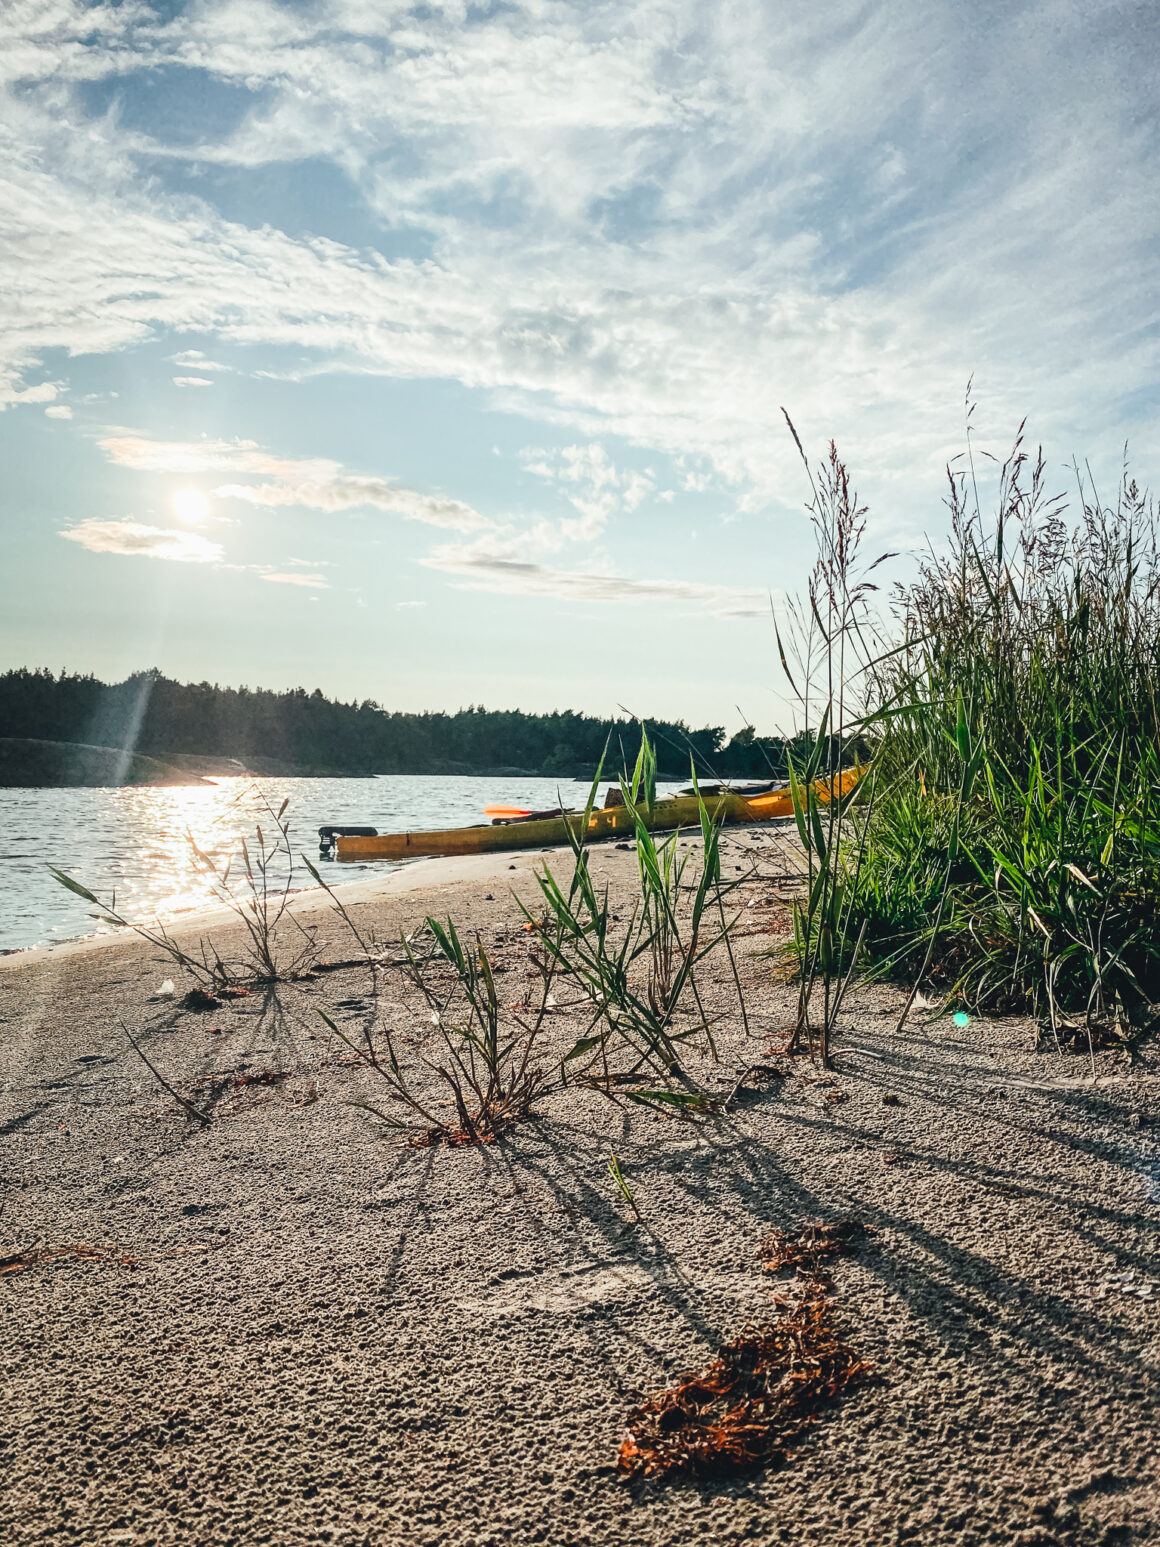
x,y
330,1337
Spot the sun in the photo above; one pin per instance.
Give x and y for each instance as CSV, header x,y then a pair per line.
x,y
190,505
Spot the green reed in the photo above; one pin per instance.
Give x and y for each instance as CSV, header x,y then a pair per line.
x,y
640,981
1006,846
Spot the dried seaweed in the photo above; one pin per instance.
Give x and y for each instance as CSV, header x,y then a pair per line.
x,y
763,1074
751,1402
199,1000
482,1127
212,1087
808,1247
762,1391
19,1261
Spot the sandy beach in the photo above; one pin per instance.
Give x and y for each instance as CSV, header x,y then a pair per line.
x,y
298,1330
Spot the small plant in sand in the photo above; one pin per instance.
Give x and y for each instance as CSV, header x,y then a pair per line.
x,y
486,1057
637,987
640,982
256,886
620,1181
490,1069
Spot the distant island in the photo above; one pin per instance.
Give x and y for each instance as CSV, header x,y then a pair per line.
x,y
26,762
73,729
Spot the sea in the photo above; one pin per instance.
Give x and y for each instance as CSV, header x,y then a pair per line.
x,y
137,846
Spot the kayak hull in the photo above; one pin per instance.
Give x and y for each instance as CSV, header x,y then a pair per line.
x,y
682,811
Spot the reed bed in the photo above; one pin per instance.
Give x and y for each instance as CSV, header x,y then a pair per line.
x,y
1005,844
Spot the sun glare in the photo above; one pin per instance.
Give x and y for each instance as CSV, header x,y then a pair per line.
x,y
190,505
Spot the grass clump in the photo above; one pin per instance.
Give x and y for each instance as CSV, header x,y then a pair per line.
x,y
639,983
256,886
1013,854
633,986
1005,848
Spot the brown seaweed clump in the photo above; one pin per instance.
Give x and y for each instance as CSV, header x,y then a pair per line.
x,y
751,1402
808,1247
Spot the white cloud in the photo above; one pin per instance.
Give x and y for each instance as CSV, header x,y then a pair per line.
x,y
693,480
125,448
194,359
485,568
314,582
13,394
322,485
316,484
590,481
657,220
58,411
192,381
133,539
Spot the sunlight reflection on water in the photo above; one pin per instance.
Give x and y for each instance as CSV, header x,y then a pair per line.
x,y
135,841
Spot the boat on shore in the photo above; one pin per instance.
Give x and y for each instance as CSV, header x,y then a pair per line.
x,y
537,830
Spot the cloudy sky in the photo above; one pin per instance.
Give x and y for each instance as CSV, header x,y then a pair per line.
x,y
434,353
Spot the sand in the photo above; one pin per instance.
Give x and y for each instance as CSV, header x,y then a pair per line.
x,y
330,1337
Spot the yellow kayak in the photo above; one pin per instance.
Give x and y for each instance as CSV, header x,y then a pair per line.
x,y
681,811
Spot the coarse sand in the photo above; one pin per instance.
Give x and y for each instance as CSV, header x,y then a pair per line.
x,y
299,1330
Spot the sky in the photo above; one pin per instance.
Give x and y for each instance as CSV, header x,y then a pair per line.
x,y
436,353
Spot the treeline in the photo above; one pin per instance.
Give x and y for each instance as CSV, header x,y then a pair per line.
x,y
308,732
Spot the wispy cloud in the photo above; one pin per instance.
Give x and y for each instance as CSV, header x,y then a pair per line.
x,y
323,485
132,539
483,568
315,484
589,479
313,582
660,222
127,449
194,359
657,222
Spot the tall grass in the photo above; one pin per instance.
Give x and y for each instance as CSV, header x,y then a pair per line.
x,y
1007,845
1014,849
829,653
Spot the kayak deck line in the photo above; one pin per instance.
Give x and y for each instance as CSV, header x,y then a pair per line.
x,y
679,811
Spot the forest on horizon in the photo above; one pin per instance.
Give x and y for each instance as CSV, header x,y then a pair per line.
x,y
309,733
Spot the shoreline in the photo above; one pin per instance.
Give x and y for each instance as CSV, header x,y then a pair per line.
x,y
136,837
435,871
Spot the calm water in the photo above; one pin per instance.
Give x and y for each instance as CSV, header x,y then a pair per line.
x,y
134,841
